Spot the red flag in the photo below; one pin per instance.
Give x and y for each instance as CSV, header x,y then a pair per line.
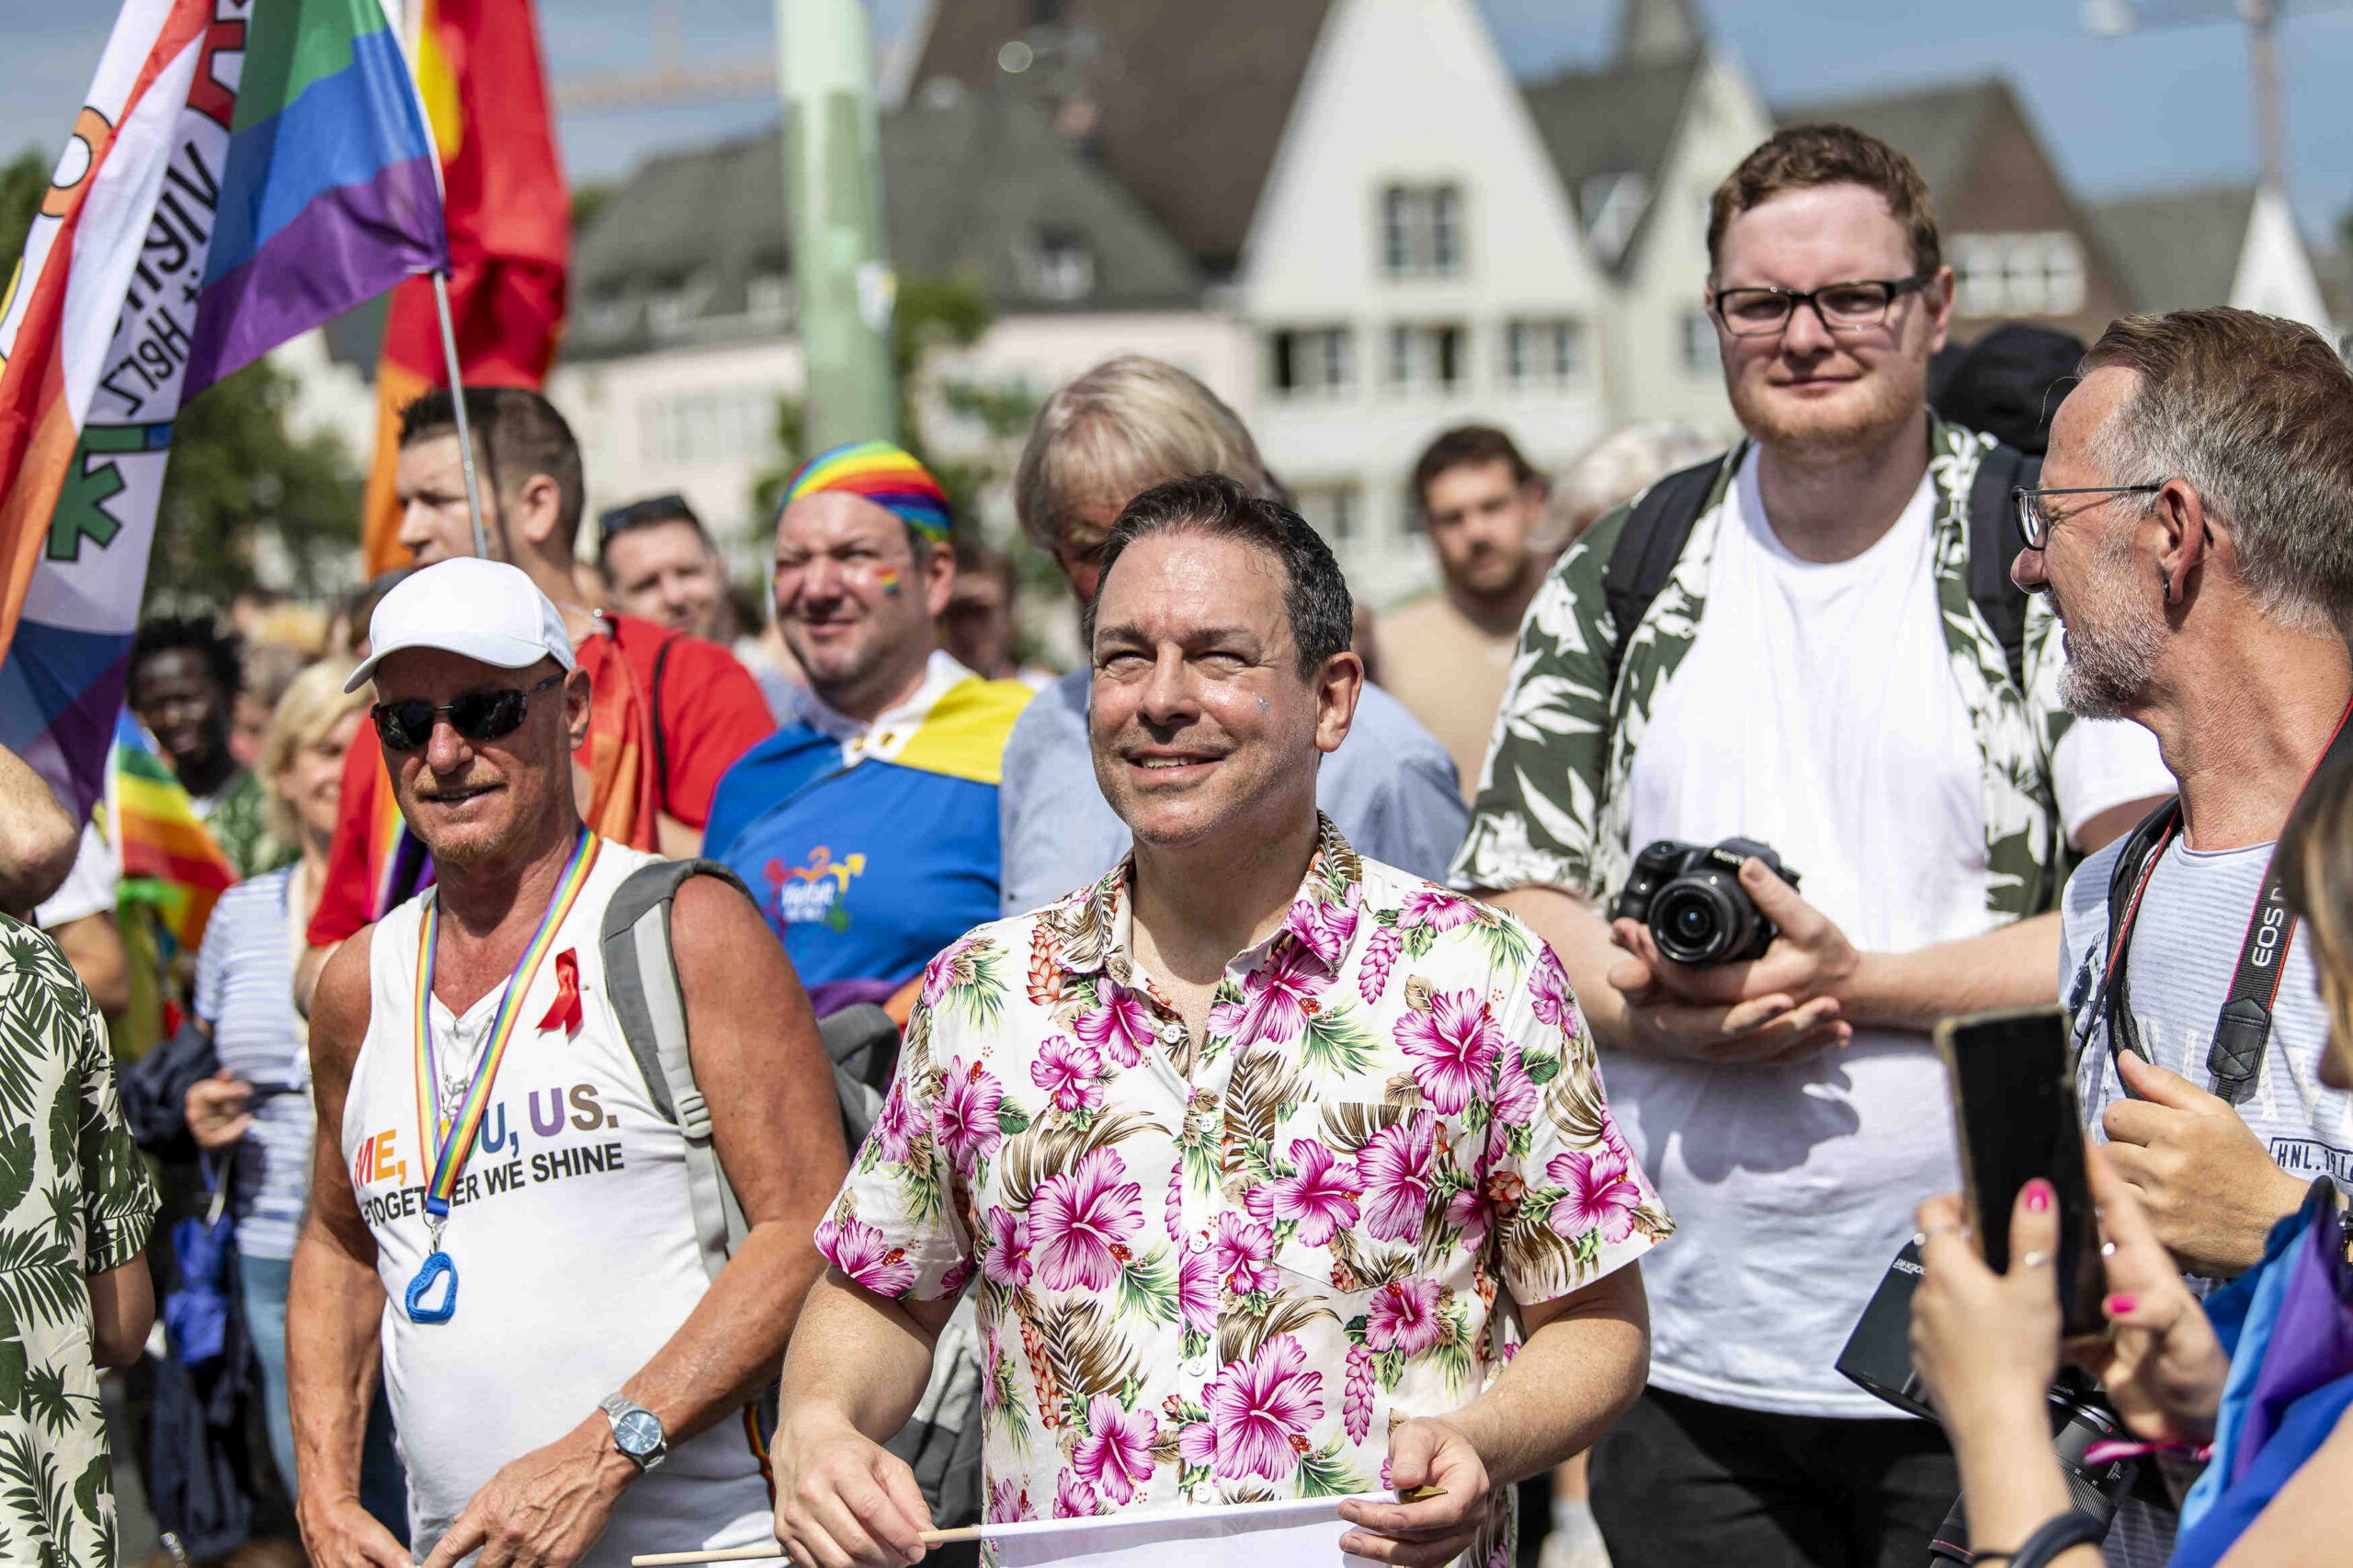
x,y
510,231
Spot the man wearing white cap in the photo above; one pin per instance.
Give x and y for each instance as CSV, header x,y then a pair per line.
x,y
496,1198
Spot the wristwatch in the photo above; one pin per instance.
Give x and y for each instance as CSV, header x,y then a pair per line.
x,y
637,1431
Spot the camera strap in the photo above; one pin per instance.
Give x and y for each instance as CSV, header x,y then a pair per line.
x,y
2243,1027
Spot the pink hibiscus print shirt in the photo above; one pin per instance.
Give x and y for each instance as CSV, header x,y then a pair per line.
x,y
1391,1122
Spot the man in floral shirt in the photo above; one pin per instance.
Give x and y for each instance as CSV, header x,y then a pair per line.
x,y
1263,1158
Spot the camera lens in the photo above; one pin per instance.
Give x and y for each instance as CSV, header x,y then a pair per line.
x,y
1694,923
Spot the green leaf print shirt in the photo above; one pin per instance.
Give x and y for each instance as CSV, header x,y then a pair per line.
x,y
75,1201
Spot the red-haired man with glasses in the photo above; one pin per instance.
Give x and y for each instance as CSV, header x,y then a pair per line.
x,y
1813,673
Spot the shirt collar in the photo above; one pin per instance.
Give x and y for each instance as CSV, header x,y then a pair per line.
x,y
890,731
1096,927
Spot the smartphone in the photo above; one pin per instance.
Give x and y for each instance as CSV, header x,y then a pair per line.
x,y
2015,1117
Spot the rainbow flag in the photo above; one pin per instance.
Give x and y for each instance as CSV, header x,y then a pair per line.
x,y
168,859
332,192
510,214
232,180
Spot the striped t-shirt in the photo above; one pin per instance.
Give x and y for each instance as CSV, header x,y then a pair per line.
x,y
244,990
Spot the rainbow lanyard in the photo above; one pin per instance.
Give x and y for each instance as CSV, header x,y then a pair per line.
x,y
458,1138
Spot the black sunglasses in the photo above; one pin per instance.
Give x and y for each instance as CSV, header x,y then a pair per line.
x,y
478,715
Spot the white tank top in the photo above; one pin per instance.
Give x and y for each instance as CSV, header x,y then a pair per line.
x,y
573,1240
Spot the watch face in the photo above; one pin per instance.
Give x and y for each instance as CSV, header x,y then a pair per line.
x,y
637,1433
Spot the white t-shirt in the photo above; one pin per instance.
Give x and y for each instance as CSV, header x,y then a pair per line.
x,y
2184,950
571,1230
1817,711
89,887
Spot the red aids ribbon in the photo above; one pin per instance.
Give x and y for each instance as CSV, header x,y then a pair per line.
x,y
565,1012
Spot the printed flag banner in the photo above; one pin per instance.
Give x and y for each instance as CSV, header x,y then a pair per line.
x,y
168,859
510,233
241,171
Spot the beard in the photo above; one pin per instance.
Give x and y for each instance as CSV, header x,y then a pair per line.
x,y
1867,416
1491,575
2113,639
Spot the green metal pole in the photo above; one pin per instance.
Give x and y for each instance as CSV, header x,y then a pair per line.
x,y
844,287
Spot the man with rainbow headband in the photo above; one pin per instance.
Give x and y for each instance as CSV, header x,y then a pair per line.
x,y
867,827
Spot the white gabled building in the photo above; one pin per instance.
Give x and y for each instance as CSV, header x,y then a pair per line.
x,y
1412,264
1361,185
1639,146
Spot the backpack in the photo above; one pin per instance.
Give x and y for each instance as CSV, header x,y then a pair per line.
x,y
1663,515
941,1441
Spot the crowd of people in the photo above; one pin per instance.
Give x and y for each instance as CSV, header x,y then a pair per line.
x,y
1243,1131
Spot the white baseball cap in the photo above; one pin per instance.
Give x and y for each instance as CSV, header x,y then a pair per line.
x,y
484,609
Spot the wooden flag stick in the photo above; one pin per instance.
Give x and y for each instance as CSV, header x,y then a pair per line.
x,y
770,1551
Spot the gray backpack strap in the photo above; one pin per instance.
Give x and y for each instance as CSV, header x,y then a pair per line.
x,y
641,983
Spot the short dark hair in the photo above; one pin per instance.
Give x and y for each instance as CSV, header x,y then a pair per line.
x,y
652,512
1469,445
1315,593
1805,157
516,434
222,652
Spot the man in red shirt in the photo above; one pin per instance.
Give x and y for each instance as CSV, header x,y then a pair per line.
x,y
670,712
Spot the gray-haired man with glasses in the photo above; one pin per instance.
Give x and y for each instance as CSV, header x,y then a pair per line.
x,y
1813,672
2196,538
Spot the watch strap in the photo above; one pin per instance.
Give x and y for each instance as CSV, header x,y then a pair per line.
x,y
619,1407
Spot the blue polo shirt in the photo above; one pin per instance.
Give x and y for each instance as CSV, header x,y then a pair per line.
x,y
869,848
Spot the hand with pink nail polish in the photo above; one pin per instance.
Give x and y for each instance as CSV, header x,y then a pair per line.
x,y
1988,1344
2162,1365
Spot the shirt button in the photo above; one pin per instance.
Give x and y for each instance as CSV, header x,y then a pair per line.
x,y
1172,1034
1200,1244
1199,1367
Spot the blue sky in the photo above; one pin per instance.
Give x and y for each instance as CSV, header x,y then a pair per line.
x,y
2162,108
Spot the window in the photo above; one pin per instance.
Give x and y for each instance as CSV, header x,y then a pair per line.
x,y
728,424
2018,275
1612,204
1313,362
1421,230
1335,511
670,310
1055,265
1543,353
1697,346
768,296
1426,358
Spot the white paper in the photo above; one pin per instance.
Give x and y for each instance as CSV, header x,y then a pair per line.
x,y
1293,1532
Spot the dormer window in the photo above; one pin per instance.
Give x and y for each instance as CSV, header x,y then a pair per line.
x,y
1421,230
1056,266
1612,205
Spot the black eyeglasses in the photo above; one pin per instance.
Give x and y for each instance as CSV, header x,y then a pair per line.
x,y
2035,518
1840,307
672,508
478,715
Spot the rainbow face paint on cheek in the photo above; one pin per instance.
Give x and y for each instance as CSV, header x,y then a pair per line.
x,y
887,579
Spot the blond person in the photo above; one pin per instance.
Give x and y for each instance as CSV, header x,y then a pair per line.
x,y
254,1117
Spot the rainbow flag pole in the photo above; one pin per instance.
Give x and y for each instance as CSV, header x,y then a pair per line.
x,y
457,407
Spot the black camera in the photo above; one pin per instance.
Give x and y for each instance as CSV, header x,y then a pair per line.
x,y
1691,896
1877,1359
